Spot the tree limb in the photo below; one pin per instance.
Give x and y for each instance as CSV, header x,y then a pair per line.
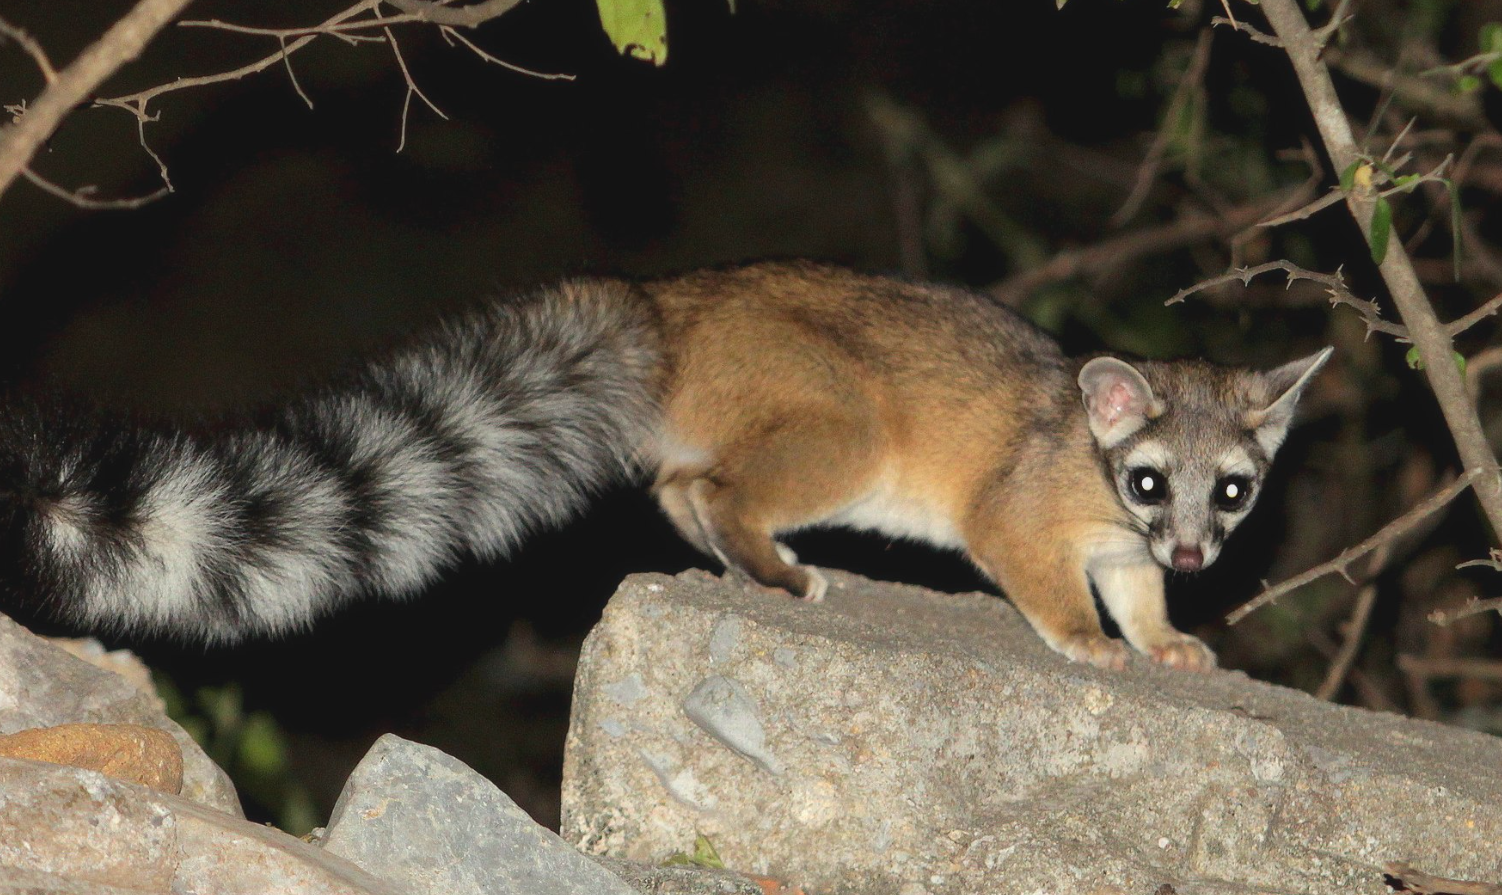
x,y
1427,333
124,40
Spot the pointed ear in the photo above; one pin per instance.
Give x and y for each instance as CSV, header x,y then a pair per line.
x,y
1118,401
1287,383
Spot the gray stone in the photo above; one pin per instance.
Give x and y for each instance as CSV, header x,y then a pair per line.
x,y
41,685
930,743
682,880
426,821
77,832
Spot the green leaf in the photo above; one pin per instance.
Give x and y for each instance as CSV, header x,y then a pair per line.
x,y
1494,71
1348,176
638,28
1490,37
1313,5
1172,4
262,750
1467,84
1406,183
1414,361
1381,229
1460,363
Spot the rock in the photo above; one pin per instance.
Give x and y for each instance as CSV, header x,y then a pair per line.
x,y
69,830
120,661
430,824
649,880
43,686
143,755
893,741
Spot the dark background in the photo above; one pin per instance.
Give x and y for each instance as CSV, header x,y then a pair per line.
x,y
298,239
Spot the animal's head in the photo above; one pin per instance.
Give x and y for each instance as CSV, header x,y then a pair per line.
x,y
1188,444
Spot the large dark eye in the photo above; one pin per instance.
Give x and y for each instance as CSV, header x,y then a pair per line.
x,y
1232,492
1148,485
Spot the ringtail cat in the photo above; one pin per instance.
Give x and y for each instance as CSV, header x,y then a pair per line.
x,y
757,400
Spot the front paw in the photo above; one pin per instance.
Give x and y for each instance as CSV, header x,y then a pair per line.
x,y
1182,651
1097,649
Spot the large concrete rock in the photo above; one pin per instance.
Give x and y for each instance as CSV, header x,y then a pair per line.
x,y
426,821
893,740
43,686
68,830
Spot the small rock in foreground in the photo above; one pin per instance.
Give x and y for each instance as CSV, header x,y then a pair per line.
x,y
430,824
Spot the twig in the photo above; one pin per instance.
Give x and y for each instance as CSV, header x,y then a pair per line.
x,y
1193,81
1339,17
1428,335
412,89
20,139
1420,883
1492,305
471,16
1335,290
1445,666
1331,198
83,196
1371,695
1341,564
449,33
1409,91
1190,229
1473,606
1260,37
32,48
1351,646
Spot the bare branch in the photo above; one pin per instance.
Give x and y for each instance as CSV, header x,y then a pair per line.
x,y
471,16
1341,564
449,32
32,48
124,40
1420,883
1445,666
1193,81
1492,305
1258,36
83,197
1331,198
1473,606
412,90
1351,647
1192,228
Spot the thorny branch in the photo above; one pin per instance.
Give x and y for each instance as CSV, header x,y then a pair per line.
x,y
1192,228
1341,564
1335,289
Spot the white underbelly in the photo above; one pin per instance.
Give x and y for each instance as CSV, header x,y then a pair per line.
x,y
900,516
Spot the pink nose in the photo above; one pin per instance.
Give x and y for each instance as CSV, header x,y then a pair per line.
x,y
1188,559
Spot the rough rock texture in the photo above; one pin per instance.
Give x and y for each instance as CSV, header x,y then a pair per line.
x,y
72,830
43,686
430,824
892,740
649,880
129,752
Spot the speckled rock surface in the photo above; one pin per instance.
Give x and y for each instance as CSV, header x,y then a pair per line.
x,y
66,830
43,686
433,826
893,740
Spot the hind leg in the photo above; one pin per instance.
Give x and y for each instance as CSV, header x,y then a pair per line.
x,y
783,477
